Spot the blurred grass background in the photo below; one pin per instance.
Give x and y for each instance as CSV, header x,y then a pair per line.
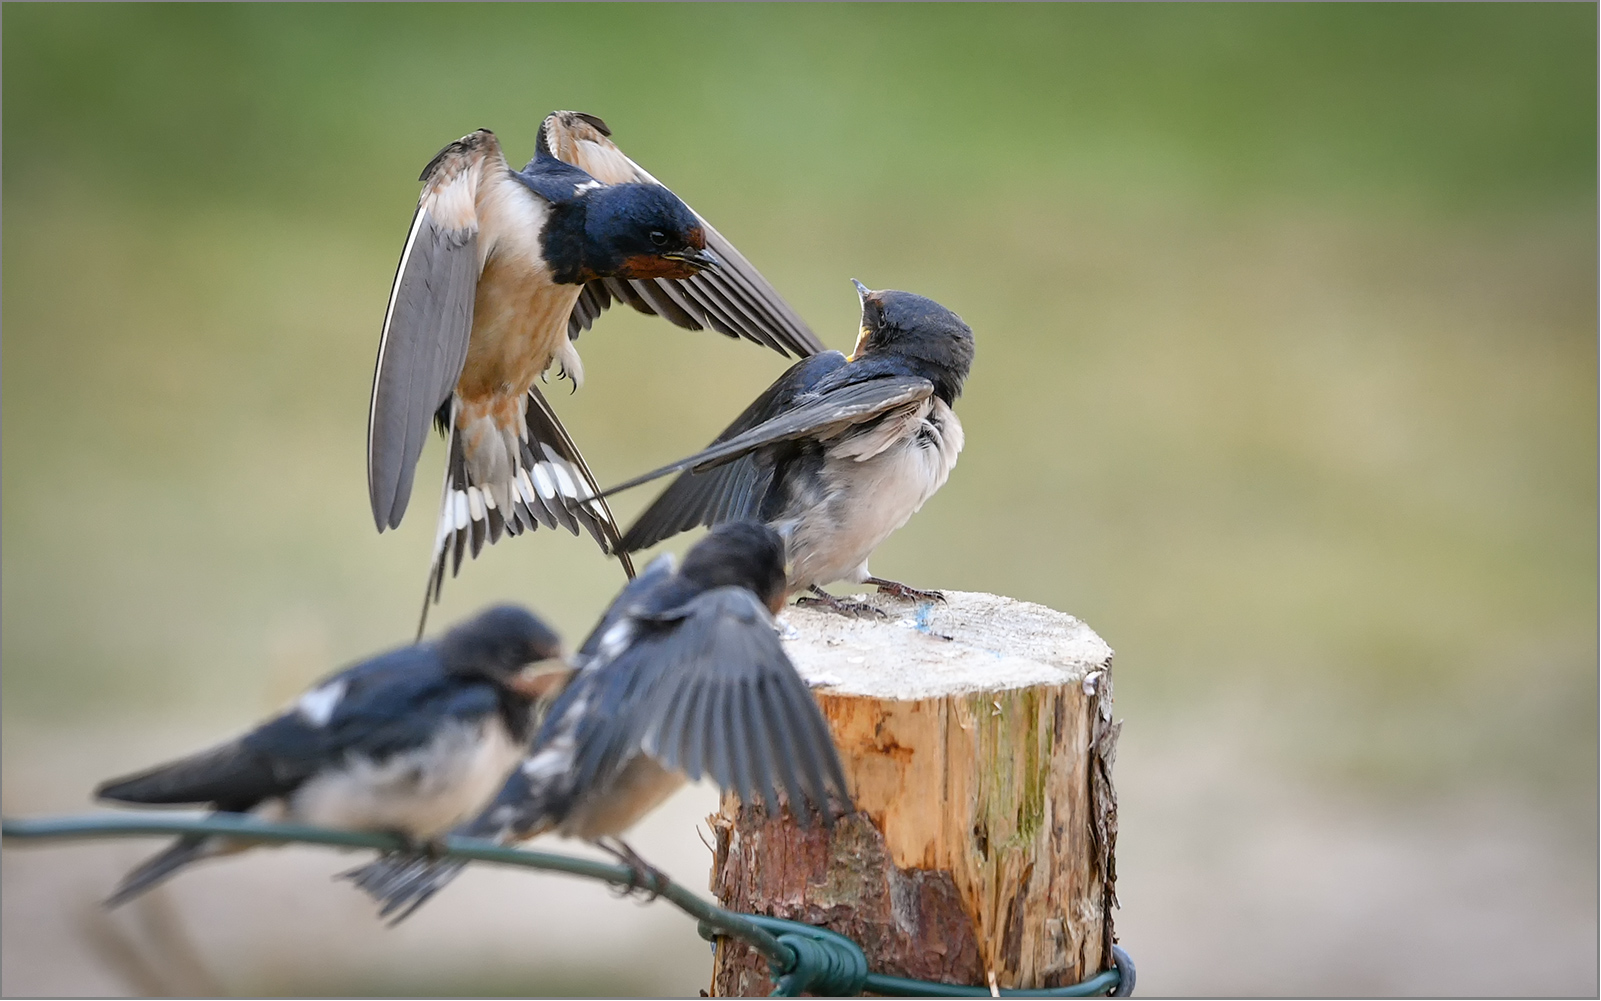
x,y
1286,383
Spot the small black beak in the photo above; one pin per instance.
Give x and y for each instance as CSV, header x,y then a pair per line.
x,y
703,260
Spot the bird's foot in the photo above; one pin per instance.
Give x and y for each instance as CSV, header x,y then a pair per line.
x,y
433,849
896,589
641,874
850,609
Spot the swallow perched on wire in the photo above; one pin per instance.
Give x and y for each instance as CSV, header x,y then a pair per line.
x,y
501,271
835,455
684,676
411,742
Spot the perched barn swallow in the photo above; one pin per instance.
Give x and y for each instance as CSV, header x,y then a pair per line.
x,y
412,742
835,455
501,271
683,677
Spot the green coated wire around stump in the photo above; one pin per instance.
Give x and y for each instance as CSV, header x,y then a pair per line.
x,y
804,958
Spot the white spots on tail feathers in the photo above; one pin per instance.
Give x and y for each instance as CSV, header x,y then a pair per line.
x,y
490,454
564,479
543,482
317,706
550,482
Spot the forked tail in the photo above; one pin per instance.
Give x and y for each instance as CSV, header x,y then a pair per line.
x,y
550,486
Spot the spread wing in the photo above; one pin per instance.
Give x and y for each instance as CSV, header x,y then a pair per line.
x,y
706,689
735,490
820,416
429,319
736,300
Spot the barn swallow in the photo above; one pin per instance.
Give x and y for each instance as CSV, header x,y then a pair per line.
x,y
411,742
684,676
835,455
502,270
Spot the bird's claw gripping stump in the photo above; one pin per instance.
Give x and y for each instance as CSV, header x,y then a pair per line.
x,y
977,736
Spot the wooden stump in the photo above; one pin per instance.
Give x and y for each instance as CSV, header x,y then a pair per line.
x,y
978,740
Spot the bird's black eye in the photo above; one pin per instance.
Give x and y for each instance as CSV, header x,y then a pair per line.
x,y
658,238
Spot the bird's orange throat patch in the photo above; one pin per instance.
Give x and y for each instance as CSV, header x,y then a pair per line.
x,y
651,266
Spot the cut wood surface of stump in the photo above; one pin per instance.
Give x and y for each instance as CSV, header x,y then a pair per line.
x,y
977,737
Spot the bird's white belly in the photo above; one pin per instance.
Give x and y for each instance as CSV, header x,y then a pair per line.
x,y
868,499
423,792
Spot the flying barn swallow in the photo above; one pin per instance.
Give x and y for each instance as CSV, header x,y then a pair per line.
x,y
502,270
684,676
412,742
837,454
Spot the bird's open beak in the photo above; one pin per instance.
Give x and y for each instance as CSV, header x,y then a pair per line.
x,y
543,679
703,259
861,339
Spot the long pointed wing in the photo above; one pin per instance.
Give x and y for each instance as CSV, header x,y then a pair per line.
x,y
736,301
821,417
735,490
225,773
429,319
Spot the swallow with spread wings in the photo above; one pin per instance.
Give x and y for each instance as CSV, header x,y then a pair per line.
x,y
501,271
684,676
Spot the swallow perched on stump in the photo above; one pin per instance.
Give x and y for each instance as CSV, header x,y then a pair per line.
x,y
410,742
684,676
501,271
837,454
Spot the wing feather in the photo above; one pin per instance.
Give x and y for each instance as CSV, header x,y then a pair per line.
x,y
708,690
226,773
735,300
821,416
735,490
428,321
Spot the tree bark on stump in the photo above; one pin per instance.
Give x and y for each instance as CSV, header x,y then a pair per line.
x,y
978,740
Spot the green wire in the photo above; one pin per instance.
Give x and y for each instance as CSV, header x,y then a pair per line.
x,y
803,957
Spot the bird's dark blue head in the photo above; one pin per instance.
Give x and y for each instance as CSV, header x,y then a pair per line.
x,y
632,231
498,643
744,554
934,340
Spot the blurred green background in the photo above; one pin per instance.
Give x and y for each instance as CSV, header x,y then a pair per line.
x,y
1286,384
